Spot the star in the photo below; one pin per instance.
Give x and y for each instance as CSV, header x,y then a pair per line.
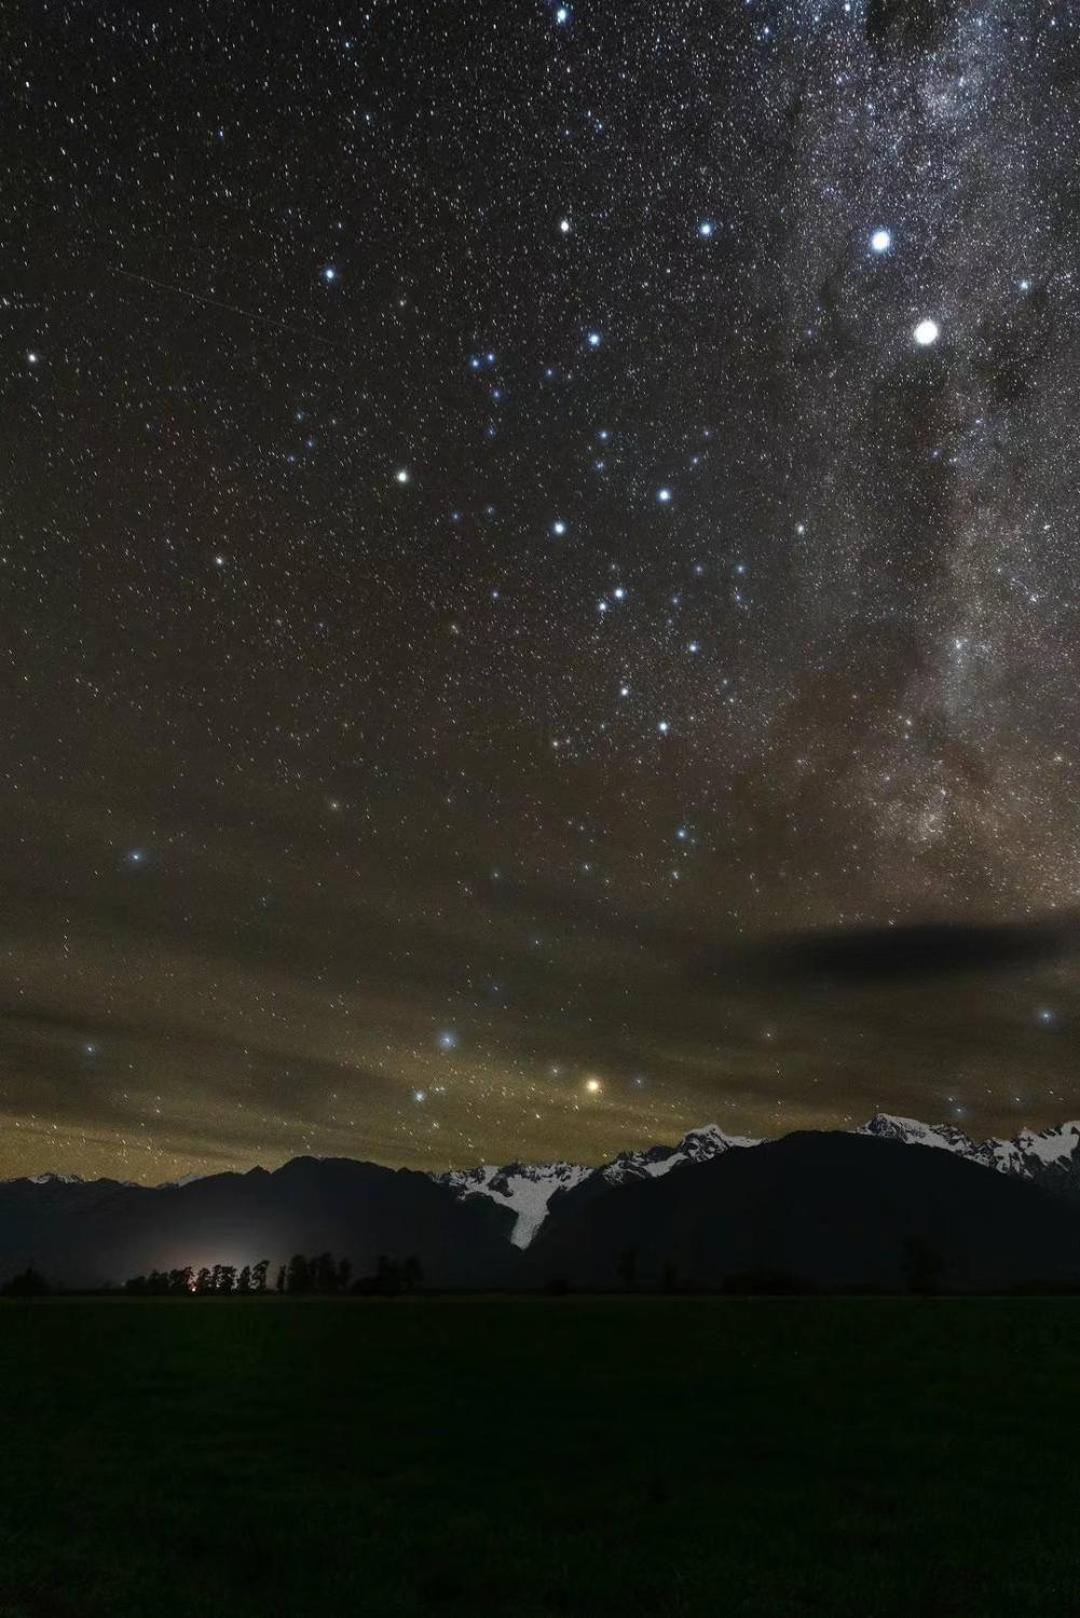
x,y
564,226
558,527
706,228
329,273
448,1040
926,333
595,339
881,241
664,496
32,358
402,475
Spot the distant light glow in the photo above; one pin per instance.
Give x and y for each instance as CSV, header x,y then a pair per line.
x,y
448,1040
593,1086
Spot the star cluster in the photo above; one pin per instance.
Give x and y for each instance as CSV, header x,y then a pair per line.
x,y
504,503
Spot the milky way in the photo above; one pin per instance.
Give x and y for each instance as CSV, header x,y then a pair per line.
x,y
510,509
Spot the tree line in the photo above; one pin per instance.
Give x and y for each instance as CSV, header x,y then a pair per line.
x,y
321,1274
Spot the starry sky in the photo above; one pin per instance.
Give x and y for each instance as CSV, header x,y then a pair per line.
x,y
523,526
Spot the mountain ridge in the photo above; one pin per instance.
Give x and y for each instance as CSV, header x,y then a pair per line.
x,y
529,1191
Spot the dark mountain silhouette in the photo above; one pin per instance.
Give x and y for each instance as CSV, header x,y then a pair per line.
x,y
828,1210
88,1233
832,1210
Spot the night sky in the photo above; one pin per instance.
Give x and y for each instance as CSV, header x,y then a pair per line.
x,y
521,524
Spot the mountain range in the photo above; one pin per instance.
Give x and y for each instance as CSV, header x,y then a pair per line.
x,y
1051,1158
833,1209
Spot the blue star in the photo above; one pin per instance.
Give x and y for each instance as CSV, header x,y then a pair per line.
x,y
595,339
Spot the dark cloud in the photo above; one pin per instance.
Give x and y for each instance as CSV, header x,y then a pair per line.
x,y
927,950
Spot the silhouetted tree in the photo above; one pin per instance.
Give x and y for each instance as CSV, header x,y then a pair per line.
x,y
344,1270
298,1278
323,1273
204,1282
281,1281
258,1275
29,1283
136,1286
411,1273
627,1268
243,1280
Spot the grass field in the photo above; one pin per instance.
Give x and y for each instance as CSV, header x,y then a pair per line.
x,y
539,1457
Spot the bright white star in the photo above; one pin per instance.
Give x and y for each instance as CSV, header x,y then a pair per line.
x,y
881,241
926,332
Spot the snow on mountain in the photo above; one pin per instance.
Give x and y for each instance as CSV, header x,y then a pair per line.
x,y
527,1188
57,1179
1048,1154
524,1188
912,1132
1051,1156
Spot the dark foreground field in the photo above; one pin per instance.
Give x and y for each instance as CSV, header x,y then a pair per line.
x,y
538,1457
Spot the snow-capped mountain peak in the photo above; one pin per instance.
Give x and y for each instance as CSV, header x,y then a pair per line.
x,y
527,1188
524,1188
1051,1156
